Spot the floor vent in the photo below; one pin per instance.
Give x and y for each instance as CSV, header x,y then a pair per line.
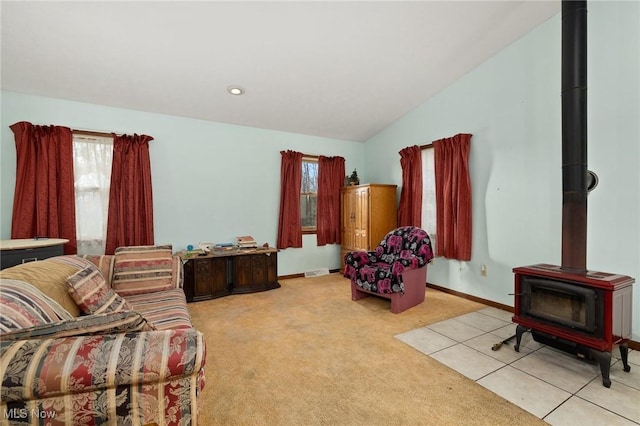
x,y
316,272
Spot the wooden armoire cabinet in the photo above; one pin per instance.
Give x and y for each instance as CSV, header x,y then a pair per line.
x,y
369,212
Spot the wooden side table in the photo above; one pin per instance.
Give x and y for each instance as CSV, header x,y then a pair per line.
x,y
16,252
225,272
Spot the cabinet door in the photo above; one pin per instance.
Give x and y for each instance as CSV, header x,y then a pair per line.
x,y
259,270
220,282
203,282
242,273
255,272
206,278
250,272
348,218
362,219
272,268
383,213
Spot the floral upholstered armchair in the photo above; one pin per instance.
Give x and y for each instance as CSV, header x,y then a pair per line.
x,y
395,270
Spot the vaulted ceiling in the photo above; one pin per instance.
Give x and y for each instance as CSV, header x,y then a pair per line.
x,y
343,69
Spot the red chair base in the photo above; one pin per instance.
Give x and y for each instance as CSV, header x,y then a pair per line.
x,y
415,281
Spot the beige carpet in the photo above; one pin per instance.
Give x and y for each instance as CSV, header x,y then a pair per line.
x,y
305,354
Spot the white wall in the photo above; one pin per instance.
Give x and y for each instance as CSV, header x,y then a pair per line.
x,y
211,181
511,105
214,181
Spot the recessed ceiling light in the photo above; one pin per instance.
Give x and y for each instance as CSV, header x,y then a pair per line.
x,y
235,90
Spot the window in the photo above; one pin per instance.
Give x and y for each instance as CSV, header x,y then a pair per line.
x,y
92,158
309,194
429,194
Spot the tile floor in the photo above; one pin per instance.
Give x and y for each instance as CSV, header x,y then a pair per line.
x,y
553,385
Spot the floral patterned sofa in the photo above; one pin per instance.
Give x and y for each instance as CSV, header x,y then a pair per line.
x,y
99,340
395,270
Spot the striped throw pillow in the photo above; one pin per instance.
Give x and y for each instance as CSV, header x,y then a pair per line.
x,y
50,277
104,262
111,323
142,269
23,305
92,294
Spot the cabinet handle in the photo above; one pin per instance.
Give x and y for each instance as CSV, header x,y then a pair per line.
x,y
29,259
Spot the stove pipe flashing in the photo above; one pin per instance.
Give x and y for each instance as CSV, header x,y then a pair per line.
x,y
574,135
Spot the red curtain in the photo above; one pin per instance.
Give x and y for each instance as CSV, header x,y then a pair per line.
x,y
130,219
44,199
330,179
289,222
453,197
410,208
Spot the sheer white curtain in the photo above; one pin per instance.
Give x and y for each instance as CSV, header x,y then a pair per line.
x,y
92,158
429,195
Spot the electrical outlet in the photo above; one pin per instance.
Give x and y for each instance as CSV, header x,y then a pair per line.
x,y
483,270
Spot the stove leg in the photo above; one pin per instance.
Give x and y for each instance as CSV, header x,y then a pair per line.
x,y
624,354
519,332
604,359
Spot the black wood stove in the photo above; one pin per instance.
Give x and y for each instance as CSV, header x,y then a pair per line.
x,y
585,313
569,307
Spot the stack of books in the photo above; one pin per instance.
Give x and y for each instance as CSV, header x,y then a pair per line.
x,y
224,247
246,242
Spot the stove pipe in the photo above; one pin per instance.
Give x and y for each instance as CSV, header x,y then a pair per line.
x,y
574,135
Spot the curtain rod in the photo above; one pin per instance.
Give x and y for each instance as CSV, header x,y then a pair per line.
x,y
93,133
429,145
101,134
